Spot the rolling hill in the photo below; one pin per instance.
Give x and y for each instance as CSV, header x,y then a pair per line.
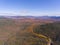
x,y
25,30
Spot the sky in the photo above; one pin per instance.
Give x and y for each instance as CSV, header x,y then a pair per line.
x,y
30,7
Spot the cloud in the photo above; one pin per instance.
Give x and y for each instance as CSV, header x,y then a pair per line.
x,y
29,13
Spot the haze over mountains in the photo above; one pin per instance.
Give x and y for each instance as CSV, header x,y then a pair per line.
x,y
43,17
55,18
